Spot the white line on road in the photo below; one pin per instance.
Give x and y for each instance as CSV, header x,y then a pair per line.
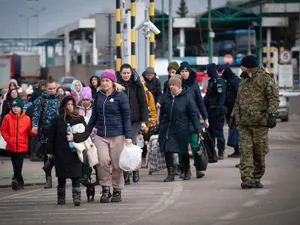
x,y
250,203
229,216
20,194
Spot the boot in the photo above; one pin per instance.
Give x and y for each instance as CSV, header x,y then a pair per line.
x,y
181,175
221,155
116,197
14,185
258,184
248,184
106,195
199,174
237,166
170,176
97,178
127,178
176,170
61,195
48,182
235,155
76,194
21,184
187,174
136,176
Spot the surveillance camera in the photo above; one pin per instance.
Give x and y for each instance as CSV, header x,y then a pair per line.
x,y
153,28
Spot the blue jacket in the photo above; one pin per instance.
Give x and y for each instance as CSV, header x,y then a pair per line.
x,y
111,115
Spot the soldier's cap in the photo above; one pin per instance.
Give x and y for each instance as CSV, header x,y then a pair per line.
x,y
249,62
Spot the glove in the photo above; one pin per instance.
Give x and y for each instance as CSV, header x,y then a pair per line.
x,y
70,136
272,120
232,123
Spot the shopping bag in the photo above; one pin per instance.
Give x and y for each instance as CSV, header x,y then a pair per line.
x,y
201,158
157,158
233,138
131,158
210,147
2,143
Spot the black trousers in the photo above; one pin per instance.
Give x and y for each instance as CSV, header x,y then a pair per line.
x,y
75,182
17,159
185,160
49,168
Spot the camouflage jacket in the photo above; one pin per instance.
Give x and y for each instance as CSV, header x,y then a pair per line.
x,y
257,97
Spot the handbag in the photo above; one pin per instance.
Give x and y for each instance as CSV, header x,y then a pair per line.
x,y
210,147
233,138
201,157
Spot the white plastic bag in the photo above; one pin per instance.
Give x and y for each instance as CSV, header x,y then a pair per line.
x,y
130,158
2,143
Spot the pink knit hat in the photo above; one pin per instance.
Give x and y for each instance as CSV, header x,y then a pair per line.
x,y
86,93
109,74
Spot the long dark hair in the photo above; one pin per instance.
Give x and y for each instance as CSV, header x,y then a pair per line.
x,y
8,96
63,111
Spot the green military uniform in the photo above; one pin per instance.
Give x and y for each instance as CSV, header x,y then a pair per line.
x,y
256,99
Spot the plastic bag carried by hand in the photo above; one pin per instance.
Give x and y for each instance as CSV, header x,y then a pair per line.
x,y
130,158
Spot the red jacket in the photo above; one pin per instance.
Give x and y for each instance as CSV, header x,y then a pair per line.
x,y
15,131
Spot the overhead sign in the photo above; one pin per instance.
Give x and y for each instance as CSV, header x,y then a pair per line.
x,y
285,56
203,60
285,76
186,22
228,59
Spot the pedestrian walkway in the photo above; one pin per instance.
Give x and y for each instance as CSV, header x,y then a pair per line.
x,y
32,172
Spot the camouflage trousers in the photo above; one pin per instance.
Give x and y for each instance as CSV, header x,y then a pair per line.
x,y
253,145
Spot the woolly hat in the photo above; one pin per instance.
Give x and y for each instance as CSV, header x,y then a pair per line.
x,y
249,62
86,93
173,66
109,74
184,66
149,70
17,102
176,80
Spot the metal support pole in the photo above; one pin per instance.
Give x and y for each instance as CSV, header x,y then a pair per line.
x,y
210,44
163,41
53,57
170,29
118,35
67,52
95,50
182,42
260,34
83,49
249,41
268,48
152,35
133,35
111,54
299,44
147,43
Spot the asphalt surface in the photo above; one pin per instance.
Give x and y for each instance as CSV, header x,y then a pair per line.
x,y
216,199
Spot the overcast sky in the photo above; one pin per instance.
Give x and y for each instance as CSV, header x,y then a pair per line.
x,y
62,12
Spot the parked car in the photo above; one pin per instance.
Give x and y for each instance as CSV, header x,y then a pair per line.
x,y
283,110
66,82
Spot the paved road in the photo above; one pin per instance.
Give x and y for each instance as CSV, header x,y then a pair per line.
x,y
217,199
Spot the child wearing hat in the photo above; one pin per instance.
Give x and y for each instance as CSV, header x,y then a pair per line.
x,y
15,129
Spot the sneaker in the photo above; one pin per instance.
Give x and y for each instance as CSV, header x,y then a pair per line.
x,y
14,185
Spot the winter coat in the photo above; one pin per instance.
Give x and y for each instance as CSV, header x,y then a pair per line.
x,y
5,95
152,115
137,100
42,116
94,90
195,92
67,163
111,115
15,130
154,87
74,93
174,122
85,112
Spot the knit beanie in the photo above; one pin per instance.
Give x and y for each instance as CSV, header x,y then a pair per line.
x,y
249,62
150,70
184,66
86,93
17,102
176,80
109,74
173,66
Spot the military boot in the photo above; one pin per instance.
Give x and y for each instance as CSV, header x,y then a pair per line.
x,y
248,184
76,194
48,182
106,195
127,178
136,176
187,174
14,184
170,176
61,195
116,197
258,184
220,154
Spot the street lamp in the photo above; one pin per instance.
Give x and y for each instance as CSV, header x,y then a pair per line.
x,y
27,18
37,12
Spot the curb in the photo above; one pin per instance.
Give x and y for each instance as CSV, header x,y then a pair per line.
x,y
27,184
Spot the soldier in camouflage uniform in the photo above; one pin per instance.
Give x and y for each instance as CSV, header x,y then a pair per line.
x,y
254,113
